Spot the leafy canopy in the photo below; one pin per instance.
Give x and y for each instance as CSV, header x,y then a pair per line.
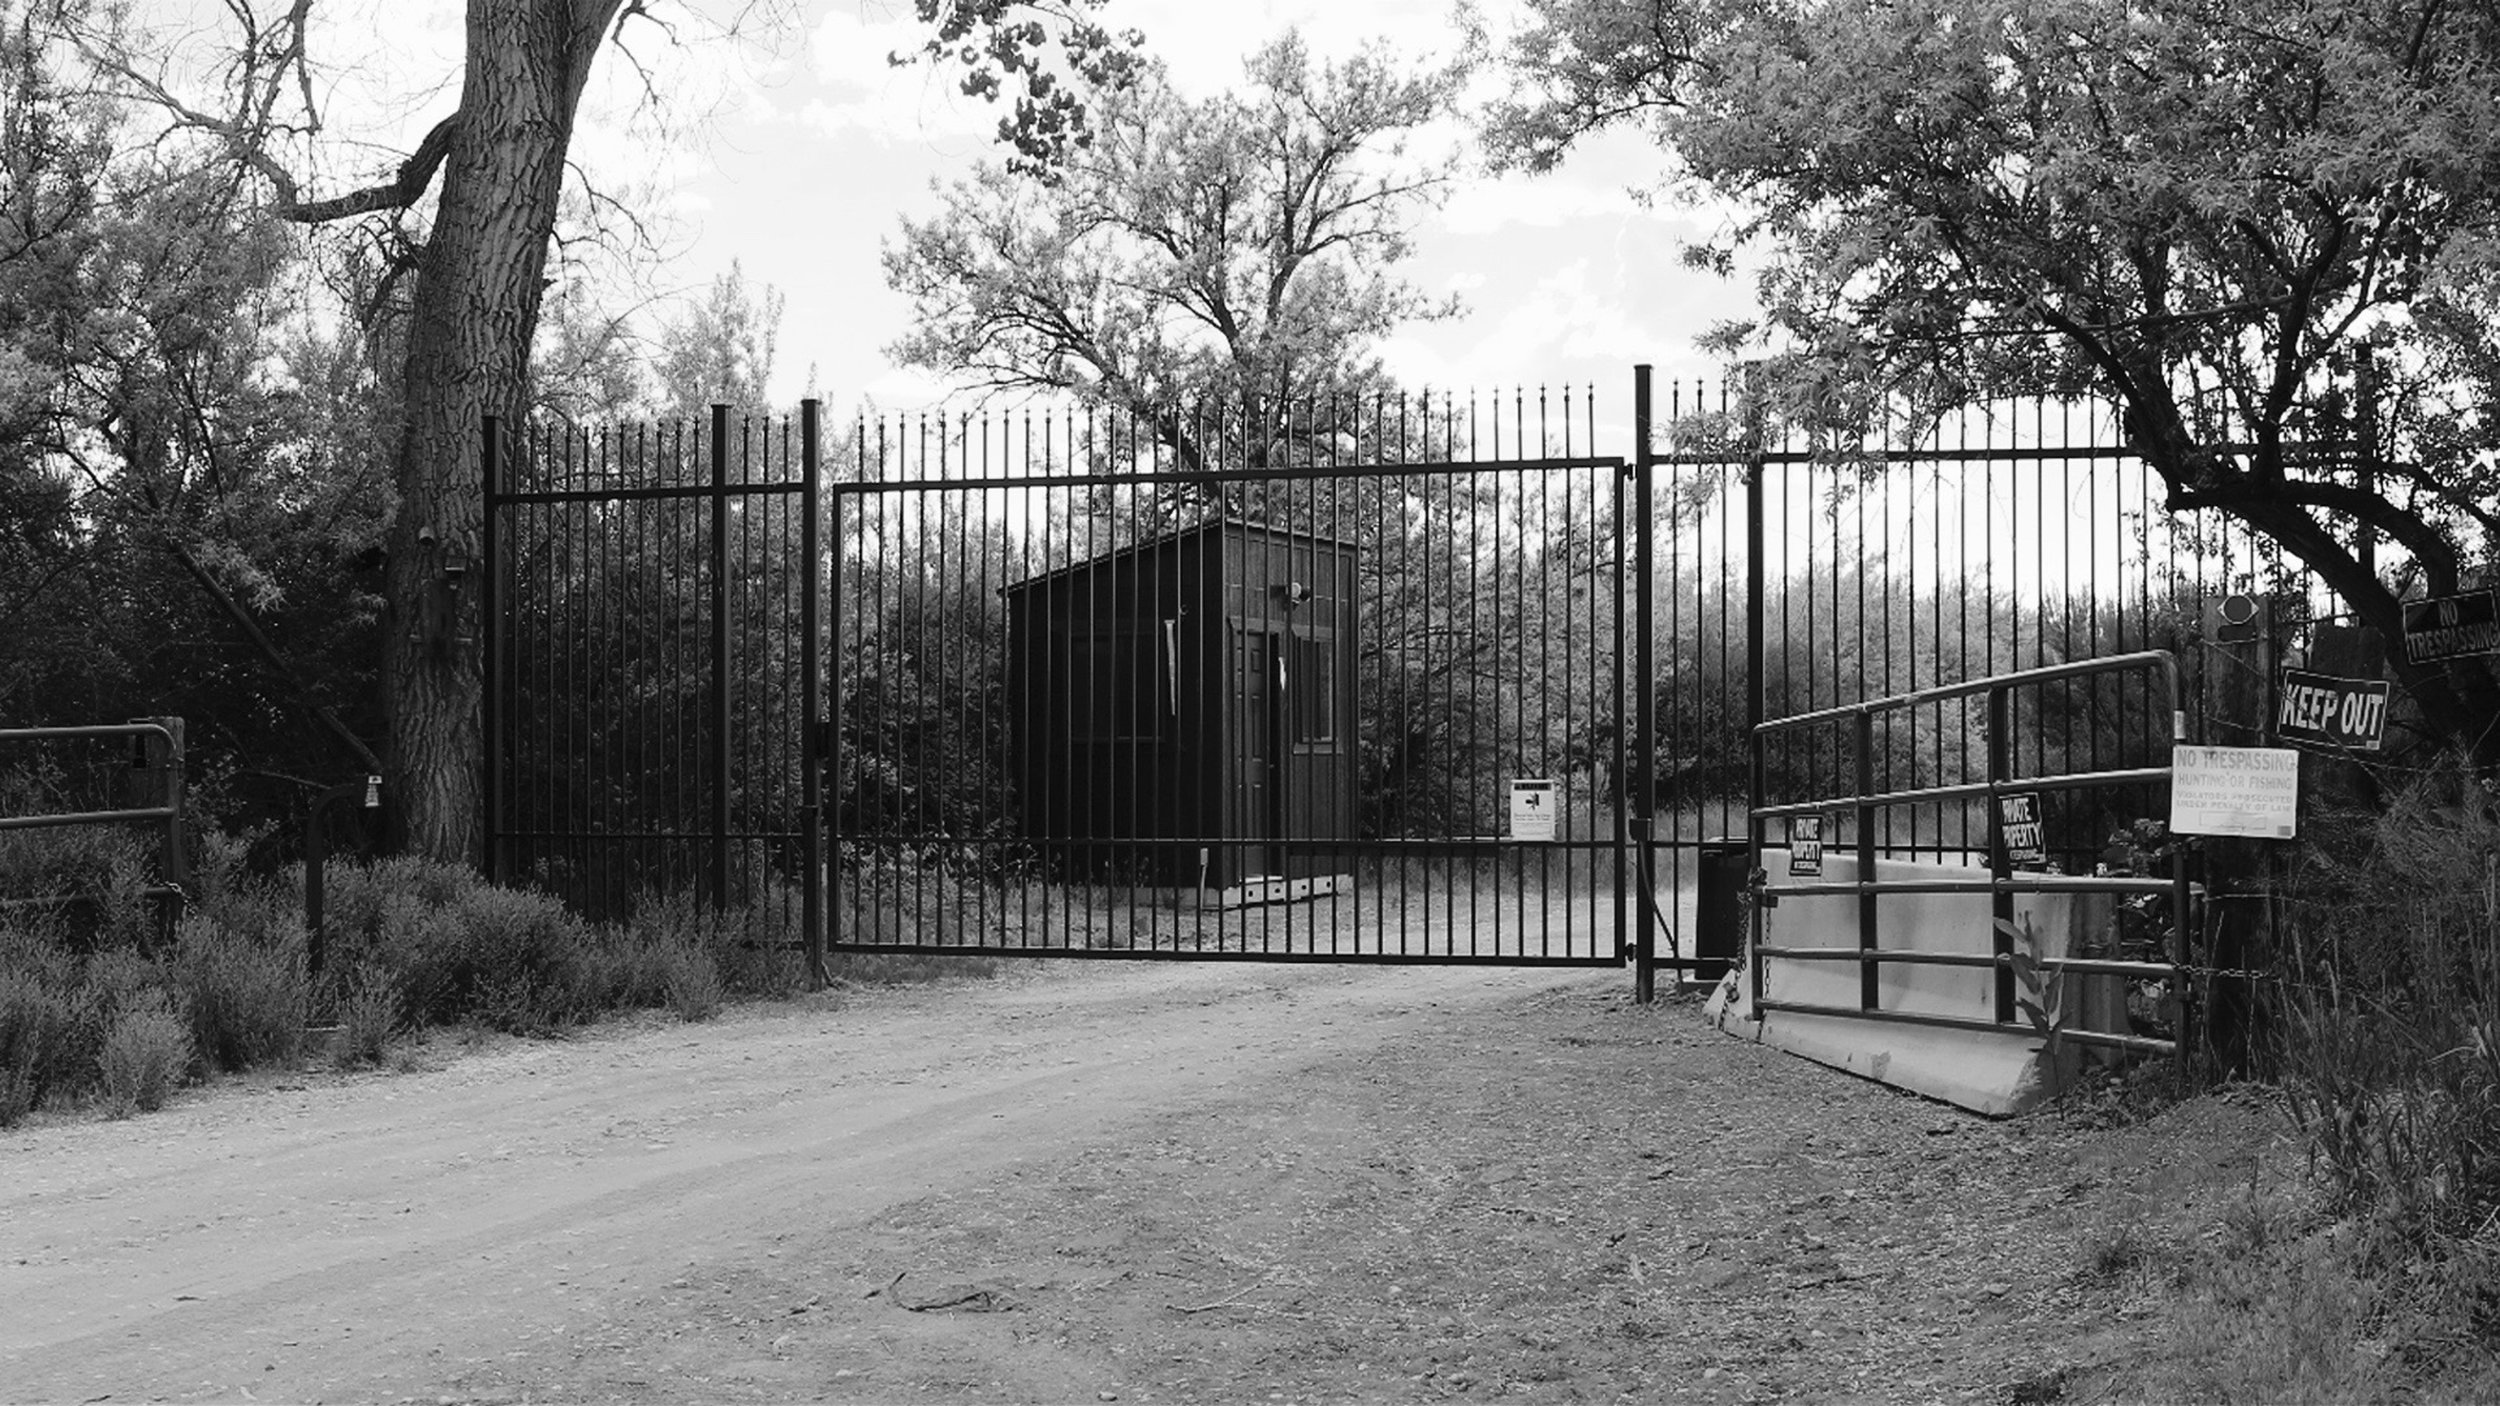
x,y
1241,245
2266,227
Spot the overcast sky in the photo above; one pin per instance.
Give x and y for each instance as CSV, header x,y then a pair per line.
x,y
818,148
796,153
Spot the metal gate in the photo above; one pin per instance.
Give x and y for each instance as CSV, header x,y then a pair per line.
x,y
1388,680
1346,683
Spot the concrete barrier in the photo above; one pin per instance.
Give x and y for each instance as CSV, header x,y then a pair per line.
x,y
1991,1072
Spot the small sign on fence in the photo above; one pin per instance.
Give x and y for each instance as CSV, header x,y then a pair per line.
x,y
2321,708
2018,821
2451,627
2252,791
1535,810
1805,846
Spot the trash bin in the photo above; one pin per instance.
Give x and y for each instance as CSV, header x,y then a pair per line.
x,y
1718,909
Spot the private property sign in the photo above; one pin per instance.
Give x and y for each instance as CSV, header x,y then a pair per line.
x,y
1805,846
2018,821
2450,627
2320,708
2252,791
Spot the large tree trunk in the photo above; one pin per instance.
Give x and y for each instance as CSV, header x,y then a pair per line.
x,y
476,310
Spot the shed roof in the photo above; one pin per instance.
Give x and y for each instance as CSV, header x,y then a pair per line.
x,y
1224,525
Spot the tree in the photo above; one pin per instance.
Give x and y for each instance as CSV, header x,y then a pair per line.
x,y
1235,249
495,171
181,511
2214,215
721,351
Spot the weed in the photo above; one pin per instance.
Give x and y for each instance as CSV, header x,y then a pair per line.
x,y
694,984
2390,1028
37,1029
247,997
146,1048
368,1015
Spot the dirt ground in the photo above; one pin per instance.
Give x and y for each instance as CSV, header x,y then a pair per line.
x,y
1097,1183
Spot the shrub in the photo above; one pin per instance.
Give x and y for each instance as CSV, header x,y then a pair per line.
x,y
2390,1021
368,1014
146,1048
38,1019
508,959
694,984
247,995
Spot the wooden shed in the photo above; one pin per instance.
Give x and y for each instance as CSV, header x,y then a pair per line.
x,y
1182,713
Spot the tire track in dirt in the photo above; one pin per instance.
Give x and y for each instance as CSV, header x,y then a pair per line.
x,y
384,1236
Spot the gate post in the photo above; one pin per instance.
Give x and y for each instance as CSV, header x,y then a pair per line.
x,y
812,707
1757,464
720,657
1644,817
497,721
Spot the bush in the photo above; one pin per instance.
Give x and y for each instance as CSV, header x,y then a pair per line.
x,y
509,959
695,990
38,1037
368,1014
247,995
145,1051
2390,1021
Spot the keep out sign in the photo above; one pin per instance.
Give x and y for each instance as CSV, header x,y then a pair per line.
x,y
2333,712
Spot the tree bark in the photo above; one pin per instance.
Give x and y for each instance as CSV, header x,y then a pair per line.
x,y
476,309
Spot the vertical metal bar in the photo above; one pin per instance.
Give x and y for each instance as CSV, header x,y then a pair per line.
x,y
497,723
812,705
718,751
1645,701
1755,691
1869,973
2001,925
1618,576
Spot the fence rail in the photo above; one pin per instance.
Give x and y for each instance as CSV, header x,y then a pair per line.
x,y
1862,806
160,771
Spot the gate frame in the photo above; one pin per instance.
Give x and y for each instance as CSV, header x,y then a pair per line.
x,y
2001,883
496,645
1634,839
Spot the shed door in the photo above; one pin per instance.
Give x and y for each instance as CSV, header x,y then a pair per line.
x,y
1259,685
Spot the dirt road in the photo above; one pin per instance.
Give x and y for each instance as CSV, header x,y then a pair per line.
x,y
1131,1183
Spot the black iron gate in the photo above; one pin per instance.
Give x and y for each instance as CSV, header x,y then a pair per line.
x,y
1344,684
651,602
1397,680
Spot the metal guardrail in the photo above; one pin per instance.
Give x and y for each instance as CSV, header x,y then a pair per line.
x,y
2002,883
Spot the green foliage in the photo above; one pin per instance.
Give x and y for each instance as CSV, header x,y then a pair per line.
x,y
694,984
38,1038
246,993
2262,229
1054,67
368,1009
2390,1032
1238,248
146,1050
184,444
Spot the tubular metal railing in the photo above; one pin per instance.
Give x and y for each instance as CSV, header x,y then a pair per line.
x,y
2002,883
159,756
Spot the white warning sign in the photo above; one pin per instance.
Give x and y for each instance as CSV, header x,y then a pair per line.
x,y
2251,791
1535,810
